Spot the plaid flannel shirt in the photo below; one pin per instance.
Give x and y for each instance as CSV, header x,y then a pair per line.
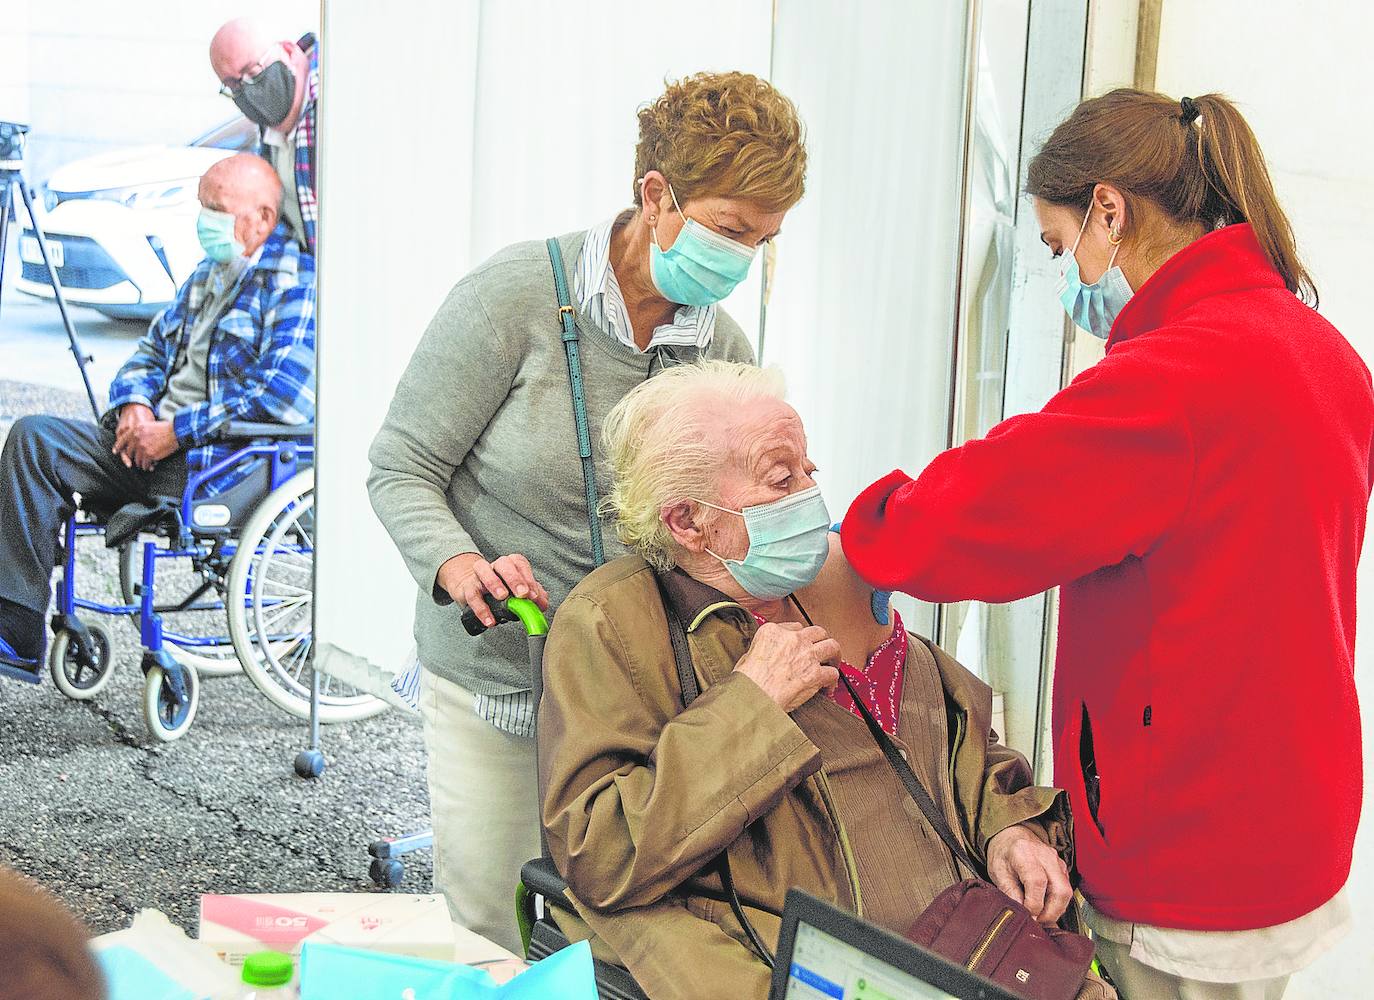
x,y
303,135
261,364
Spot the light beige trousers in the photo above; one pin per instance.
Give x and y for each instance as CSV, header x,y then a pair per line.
x,y
1137,981
484,802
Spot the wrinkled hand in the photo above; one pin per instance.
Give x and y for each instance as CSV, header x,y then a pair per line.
x,y
468,579
791,662
130,416
1030,872
146,442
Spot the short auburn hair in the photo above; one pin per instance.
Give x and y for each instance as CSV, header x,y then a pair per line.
x,y
726,134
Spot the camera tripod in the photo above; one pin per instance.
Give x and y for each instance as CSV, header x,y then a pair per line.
x,y
12,180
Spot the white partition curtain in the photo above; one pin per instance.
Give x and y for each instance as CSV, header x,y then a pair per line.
x,y
861,315
395,157
451,129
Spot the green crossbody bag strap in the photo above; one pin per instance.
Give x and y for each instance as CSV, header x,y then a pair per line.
x,y
579,398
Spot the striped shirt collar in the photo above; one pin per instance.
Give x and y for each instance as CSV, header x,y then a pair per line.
x,y
599,299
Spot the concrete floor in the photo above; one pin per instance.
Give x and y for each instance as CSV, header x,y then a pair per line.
x,y
112,821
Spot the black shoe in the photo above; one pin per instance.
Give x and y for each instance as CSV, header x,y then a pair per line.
x,y
18,667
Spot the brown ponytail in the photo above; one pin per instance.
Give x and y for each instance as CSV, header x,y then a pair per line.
x,y
1209,170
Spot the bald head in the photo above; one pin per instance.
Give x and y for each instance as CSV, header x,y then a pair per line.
x,y
244,177
244,57
237,47
245,186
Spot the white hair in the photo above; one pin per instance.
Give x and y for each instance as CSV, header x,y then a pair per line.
x,y
661,447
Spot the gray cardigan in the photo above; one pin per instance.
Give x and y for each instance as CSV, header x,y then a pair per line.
x,y
478,452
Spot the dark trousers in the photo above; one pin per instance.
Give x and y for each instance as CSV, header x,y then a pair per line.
x,y
45,460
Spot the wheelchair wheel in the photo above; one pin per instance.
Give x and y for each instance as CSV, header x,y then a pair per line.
x,y
274,630
217,657
77,679
166,719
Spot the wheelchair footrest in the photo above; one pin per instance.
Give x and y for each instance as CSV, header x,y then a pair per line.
x,y
125,524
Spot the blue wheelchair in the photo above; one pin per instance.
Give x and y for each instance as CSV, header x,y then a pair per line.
x,y
240,566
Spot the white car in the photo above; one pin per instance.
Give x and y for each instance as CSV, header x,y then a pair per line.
x,y
121,226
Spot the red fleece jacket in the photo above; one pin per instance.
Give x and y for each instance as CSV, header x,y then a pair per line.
x,y
1200,494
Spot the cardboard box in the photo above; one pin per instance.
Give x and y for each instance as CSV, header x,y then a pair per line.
x,y
396,923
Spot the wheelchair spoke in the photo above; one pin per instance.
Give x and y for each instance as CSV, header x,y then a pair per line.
x,y
276,572
283,589
294,653
278,613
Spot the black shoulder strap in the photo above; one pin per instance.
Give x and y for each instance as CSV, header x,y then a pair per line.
x,y
687,679
934,816
682,656
914,788
579,397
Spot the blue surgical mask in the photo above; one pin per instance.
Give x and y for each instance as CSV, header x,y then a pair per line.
x,y
789,541
701,267
216,233
1093,307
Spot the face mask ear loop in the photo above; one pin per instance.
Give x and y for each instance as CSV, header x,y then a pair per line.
x,y
723,510
675,204
1116,247
653,230
1073,251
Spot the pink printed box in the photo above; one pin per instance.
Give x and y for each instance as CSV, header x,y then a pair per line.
x,y
400,924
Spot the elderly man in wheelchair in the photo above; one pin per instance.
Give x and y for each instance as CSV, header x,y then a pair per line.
x,y
684,792
211,415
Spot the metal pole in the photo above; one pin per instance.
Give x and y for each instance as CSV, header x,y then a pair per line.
x,y
82,358
4,231
314,708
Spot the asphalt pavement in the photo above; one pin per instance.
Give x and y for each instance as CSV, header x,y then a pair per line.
x,y
113,821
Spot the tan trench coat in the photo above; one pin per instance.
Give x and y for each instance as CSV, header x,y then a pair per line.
x,y
639,794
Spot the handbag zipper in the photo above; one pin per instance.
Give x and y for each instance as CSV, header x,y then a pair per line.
x,y
986,943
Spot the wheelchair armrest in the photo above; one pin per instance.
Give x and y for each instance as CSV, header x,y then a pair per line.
x,y
541,877
272,432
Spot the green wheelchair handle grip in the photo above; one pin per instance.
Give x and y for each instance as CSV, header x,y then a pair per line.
x,y
513,609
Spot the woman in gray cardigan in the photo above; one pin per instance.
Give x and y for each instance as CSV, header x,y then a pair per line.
x,y
476,472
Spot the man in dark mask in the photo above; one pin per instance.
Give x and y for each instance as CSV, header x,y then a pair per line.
x,y
275,84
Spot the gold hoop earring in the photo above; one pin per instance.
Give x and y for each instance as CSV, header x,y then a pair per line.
x,y
1115,237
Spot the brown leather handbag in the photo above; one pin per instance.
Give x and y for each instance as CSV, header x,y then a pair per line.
x,y
975,924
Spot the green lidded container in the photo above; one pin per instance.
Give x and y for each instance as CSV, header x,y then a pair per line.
x,y
268,968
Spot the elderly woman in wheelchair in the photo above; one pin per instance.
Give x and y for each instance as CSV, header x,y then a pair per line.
x,y
770,769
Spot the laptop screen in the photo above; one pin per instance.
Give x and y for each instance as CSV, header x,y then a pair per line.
x,y
826,968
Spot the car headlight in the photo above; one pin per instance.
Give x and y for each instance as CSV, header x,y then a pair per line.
x,y
165,195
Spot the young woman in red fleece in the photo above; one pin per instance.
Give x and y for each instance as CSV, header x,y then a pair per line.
x,y
1200,495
